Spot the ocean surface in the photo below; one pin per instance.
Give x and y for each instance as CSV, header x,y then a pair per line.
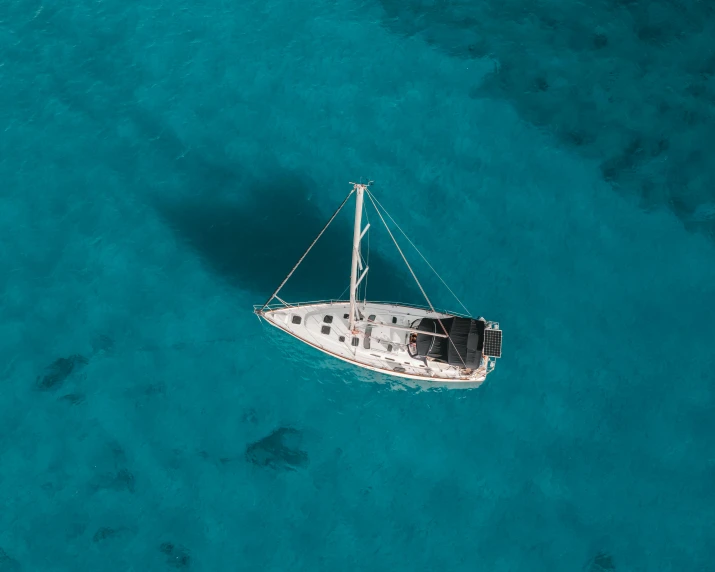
x,y
164,164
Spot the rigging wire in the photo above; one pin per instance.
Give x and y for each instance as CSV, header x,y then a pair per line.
x,y
369,194
343,292
418,252
307,251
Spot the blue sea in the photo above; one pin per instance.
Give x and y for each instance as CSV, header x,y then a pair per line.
x,y
164,164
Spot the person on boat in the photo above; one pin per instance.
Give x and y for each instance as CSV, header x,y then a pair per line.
x,y
413,344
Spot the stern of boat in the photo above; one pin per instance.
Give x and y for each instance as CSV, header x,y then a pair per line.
x,y
491,346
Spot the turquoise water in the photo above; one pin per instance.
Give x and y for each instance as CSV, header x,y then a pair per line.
x,y
162,167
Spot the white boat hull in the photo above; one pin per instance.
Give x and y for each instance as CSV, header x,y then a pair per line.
x,y
378,343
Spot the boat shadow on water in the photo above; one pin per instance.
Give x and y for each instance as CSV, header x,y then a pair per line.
x,y
253,242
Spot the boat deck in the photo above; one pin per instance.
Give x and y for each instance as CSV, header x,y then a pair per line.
x,y
379,343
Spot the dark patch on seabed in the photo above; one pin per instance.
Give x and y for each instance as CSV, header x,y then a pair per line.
x,y
102,344
280,450
58,371
120,478
107,533
602,562
73,398
7,563
629,83
176,556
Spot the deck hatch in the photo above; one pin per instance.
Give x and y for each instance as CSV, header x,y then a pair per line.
x,y
325,330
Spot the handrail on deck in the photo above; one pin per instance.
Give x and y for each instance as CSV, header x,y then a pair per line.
x,y
333,301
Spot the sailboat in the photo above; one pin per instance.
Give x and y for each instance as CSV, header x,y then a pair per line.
x,y
408,341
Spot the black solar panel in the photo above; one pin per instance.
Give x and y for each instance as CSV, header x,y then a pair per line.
x,y
492,343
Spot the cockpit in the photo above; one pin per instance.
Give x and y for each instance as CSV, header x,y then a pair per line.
x,y
461,345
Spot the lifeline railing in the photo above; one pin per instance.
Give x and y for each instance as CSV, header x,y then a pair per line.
x,y
258,307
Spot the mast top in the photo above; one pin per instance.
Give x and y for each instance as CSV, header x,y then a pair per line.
x,y
361,186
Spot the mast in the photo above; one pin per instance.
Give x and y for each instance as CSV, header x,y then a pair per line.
x,y
357,235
